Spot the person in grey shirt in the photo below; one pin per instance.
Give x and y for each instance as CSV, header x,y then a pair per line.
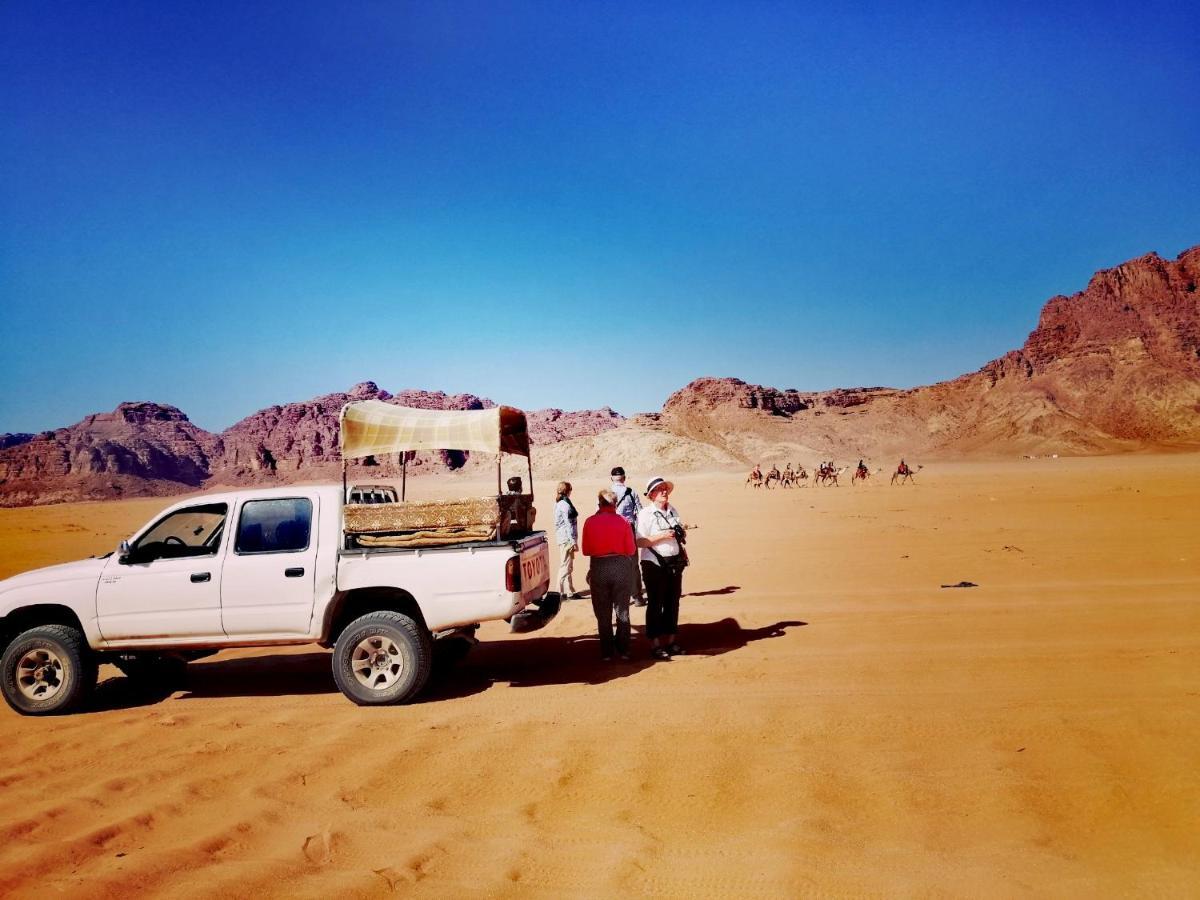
x,y
628,507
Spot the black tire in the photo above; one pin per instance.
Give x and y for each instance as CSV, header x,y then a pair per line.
x,y
401,646
152,669
73,677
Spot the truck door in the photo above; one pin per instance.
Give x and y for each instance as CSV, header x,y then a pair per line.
x,y
169,584
268,580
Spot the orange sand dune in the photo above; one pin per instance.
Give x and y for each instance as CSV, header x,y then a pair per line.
x,y
844,725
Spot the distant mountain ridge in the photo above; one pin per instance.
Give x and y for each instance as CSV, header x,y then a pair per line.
x,y
151,449
1113,368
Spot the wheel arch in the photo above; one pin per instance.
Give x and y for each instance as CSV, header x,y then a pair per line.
x,y
349,605
35,615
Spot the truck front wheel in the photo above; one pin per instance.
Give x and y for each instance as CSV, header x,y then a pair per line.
x,y
382,658
47,670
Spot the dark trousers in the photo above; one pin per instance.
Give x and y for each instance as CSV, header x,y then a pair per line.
x,y
637,569
663,587
611,581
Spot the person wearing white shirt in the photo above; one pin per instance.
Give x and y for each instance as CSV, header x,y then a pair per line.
x,y
662,561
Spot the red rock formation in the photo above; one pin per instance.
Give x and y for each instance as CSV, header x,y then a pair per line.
x,y
147,449
137,448
13,440
549,426
301,439
1114,367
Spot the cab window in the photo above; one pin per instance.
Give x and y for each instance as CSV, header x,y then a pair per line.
x,y
274,526
193,531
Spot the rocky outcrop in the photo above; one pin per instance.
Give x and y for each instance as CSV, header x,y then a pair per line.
x,y
549,426
14,440
150,449
301,439
1114,367
137,448
142,440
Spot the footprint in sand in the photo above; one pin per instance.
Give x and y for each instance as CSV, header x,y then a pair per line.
x,y
318,848
389,875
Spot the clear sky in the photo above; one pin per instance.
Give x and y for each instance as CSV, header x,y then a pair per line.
x,y
223,206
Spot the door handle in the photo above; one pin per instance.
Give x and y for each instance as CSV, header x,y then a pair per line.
x,y
201,577
294,572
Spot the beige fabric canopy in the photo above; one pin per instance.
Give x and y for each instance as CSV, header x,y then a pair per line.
x,y
372,427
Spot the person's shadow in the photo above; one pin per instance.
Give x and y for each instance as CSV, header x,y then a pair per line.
x,y
541,661
729,589
519,662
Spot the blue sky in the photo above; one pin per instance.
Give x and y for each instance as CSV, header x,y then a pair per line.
x,y
224,206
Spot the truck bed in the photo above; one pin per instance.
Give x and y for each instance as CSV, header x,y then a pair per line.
x,y
431,523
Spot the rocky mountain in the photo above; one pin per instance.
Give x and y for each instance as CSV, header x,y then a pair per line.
x,y
1114,367
301,439
150,449
137,449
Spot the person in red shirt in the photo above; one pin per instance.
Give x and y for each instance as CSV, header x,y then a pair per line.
x,y
608,541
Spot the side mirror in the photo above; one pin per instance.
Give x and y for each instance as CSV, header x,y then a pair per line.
x,y
123,553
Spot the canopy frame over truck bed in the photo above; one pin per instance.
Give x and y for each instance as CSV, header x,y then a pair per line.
x,y
374,428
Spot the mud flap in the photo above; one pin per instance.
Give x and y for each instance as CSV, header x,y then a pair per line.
x,y
537,615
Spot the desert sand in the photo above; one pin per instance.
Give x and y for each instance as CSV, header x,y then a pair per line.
x,y
843,725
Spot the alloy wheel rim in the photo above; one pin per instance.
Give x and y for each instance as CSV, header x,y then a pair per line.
x,y
40,674
377,662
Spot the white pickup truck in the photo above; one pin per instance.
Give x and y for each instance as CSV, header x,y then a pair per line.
x,y
256,568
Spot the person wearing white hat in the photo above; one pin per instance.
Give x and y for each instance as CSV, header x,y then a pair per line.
x,y
660,537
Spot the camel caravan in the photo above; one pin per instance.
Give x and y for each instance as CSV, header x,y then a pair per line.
x,y
825,473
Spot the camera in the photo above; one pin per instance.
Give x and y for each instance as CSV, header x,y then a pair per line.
x,y
680,533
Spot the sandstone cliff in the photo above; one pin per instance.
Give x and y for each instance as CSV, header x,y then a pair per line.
x,y
1114,367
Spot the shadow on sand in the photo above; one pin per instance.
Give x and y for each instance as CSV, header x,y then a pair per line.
x,y
729,589
527,662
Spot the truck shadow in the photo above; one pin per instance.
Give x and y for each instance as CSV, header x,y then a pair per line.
x,y
265,675
518,662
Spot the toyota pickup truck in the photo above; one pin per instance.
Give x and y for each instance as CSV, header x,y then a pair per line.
x,y
271,567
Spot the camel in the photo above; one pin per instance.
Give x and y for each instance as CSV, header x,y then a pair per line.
x,y
755,477
773,475
827,474
905,473
861,473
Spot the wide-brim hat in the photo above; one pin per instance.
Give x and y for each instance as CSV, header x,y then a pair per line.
x,y
655,483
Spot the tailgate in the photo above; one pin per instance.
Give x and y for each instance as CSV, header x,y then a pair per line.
x,y
535,568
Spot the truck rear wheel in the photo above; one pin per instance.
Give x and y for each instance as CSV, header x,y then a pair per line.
x,y
47,670
382,658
